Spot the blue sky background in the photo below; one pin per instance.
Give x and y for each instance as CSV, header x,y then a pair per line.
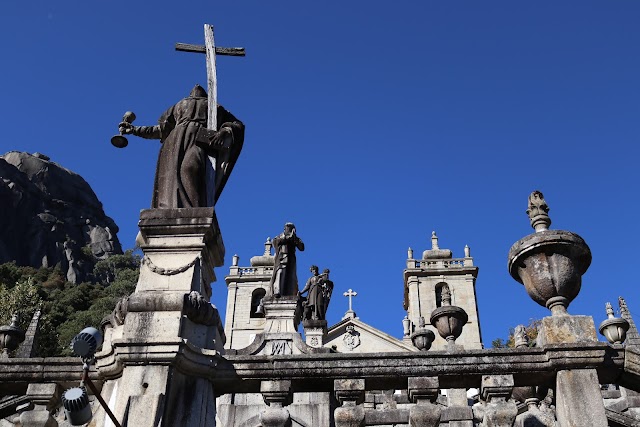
x,y
369,124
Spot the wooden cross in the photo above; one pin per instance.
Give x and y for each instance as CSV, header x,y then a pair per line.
x,y
211,51
212,81
350,294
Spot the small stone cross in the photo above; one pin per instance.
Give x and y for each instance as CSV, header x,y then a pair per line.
x,y
350,293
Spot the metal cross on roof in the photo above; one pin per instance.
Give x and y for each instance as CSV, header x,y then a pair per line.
x,y
350,294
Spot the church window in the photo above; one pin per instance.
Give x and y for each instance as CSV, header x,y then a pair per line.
x,y
443,293
256,299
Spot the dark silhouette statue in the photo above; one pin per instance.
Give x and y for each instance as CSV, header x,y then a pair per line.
x,y
183,164
284,280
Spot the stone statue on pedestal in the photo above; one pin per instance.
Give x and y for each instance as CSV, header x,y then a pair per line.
x,y
319,289
181,173
284,281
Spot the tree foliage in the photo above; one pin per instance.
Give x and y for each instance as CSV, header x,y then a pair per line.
x,y
531,330
66,307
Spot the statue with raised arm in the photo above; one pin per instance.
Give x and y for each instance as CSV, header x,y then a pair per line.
x,y
183,163
284,280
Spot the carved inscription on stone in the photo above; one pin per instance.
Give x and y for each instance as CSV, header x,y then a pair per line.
x,y
280,347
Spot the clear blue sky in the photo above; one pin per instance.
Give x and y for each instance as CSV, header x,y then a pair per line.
x,y
369,124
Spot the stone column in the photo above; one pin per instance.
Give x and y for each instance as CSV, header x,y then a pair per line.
x,y
423,392
276,394
350,394
169,321
458,413
499,411
45,398
578,398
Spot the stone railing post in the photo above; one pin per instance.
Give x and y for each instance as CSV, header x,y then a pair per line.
x,y
499,411
350,394
276,394
458,413
423,392
44,397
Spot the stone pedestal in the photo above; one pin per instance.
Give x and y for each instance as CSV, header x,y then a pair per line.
x,y
578,399
424,392
44,398
458,413
315,332
566,330
281,314
276,394
168,322
499,410
350,394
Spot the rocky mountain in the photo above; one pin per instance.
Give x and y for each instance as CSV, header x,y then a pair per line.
x,y
50,216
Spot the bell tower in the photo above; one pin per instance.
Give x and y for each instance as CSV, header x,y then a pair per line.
x,y
246,286
425,281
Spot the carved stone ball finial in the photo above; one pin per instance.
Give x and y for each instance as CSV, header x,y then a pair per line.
x,y
538,212
614,329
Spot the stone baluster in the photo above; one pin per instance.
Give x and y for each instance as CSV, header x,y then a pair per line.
x,y
423,391
458,412
45,398
350,394
276,394
499,411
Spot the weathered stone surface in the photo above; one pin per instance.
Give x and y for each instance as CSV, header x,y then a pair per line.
x,y
49,215
550,265
578,399
566,329
349,416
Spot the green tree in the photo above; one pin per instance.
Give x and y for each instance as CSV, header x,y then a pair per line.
x,y
531,330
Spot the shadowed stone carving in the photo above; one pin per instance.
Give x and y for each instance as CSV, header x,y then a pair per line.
x,y
284,281
319,289
183,164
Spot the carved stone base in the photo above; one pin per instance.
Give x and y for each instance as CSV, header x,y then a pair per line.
x,y
149,348
315,332
566,329
281,314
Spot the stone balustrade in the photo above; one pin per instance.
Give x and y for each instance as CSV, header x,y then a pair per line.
x,y
250,271
440,263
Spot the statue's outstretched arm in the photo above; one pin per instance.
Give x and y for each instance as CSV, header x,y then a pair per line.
x,y
148,132
299,244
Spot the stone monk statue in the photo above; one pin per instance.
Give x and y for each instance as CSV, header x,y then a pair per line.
x,y
314,302
181,173
284,280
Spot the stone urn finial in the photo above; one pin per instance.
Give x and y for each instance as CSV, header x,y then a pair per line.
x,y
614,329
10,336
538,212
422,338
449,319
549,263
